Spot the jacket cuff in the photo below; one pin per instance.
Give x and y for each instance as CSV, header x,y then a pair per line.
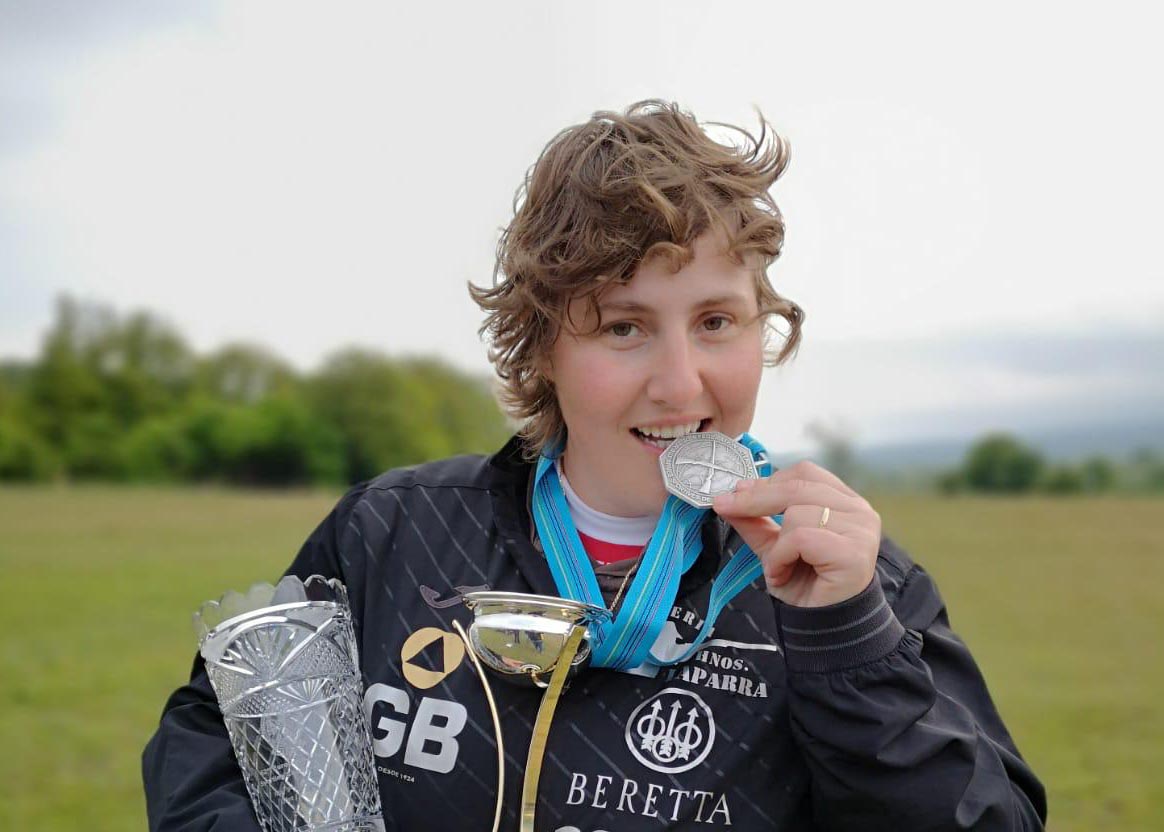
x,y
860,630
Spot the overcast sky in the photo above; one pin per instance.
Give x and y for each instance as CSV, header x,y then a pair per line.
x,y
973,204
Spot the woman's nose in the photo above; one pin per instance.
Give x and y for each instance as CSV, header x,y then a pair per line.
x,y
676,377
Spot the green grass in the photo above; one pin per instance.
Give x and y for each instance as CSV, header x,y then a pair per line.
x,y
99,586
1059,600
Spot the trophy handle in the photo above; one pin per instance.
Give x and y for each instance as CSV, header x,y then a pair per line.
x,y
496,722
541,729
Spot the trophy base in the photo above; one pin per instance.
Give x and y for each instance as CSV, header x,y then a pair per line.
x,y
365,825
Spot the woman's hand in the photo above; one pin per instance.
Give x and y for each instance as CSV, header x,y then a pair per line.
x,y
805,564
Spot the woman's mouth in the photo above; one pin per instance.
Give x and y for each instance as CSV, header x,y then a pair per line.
x,y
660,436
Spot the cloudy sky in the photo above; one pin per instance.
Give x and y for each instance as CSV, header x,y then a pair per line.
x,y
973,204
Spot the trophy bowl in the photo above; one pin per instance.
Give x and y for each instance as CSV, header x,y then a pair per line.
x,y
521,636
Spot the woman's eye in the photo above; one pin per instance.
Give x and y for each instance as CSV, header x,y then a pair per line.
x,y
622,329
716,323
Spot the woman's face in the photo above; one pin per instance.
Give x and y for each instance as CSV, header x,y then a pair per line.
x,y
677,352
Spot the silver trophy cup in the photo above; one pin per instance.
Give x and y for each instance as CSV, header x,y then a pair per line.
x,y
529,640
283,664
522,637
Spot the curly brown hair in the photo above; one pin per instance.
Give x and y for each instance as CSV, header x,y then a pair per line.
x,y
603,197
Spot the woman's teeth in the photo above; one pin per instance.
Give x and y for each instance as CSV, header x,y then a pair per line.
x,y
661,436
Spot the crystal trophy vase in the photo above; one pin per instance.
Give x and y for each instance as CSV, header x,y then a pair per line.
x,y
283,664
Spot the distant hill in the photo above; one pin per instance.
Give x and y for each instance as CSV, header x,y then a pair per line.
x,y
1114,439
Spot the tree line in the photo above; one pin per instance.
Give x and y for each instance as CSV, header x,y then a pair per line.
x,y
124,397
996,463
999,463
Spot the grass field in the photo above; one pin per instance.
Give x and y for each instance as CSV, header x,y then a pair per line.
x,y
1059,599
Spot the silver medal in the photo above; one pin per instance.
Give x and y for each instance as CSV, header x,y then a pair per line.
x,y
698,467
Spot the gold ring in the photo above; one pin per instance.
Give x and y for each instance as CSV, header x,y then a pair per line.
x,y
824,517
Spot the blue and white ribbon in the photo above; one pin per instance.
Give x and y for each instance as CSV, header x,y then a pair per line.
x,y
625,642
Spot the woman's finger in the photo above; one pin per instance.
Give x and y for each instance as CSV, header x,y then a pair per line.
x,y
758,532
821,548
808,470
854,525
769,496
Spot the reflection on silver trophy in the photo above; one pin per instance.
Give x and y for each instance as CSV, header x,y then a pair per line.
x,y
283,664
522,637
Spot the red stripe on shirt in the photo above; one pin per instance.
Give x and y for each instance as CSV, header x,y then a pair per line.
x,y
604,552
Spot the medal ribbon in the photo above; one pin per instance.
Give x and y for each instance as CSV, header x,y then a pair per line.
x,y
625,642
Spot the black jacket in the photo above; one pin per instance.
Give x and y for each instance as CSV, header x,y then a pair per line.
x,y
870,714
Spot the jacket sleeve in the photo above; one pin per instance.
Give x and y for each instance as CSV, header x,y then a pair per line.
x,y
192,781
894,718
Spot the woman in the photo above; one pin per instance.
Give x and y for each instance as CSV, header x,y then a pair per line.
x,y
631,307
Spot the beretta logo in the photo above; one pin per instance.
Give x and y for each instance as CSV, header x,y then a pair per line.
x,y
672,731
